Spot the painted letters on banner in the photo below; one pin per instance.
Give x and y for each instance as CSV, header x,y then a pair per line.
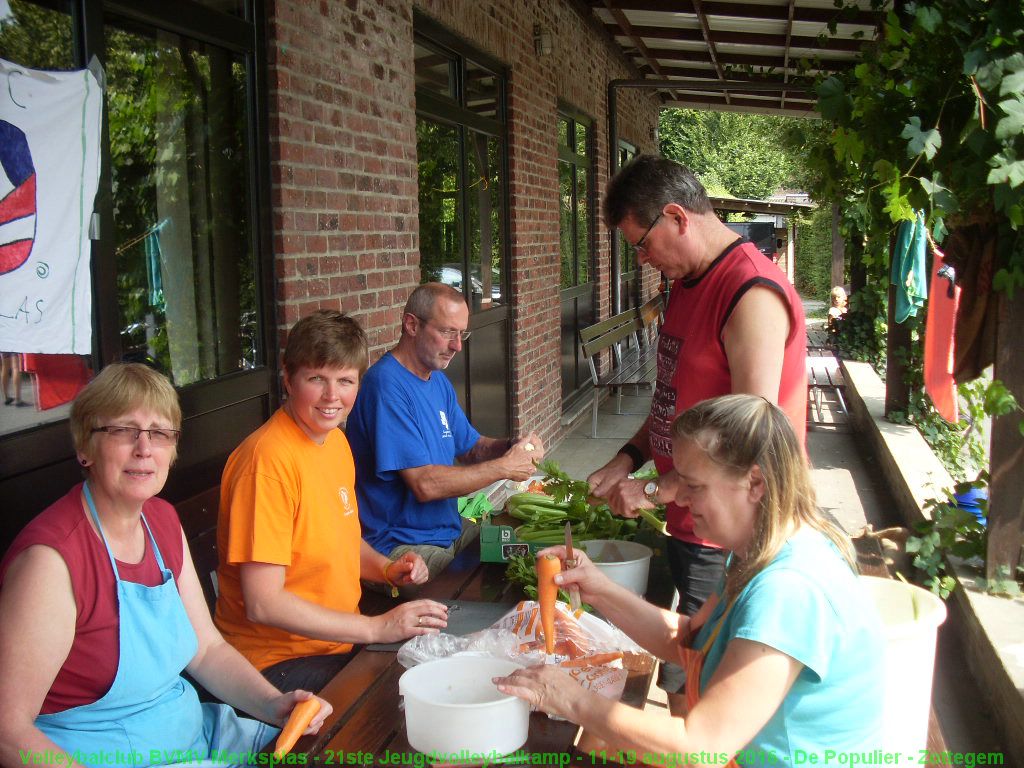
x,y
49,173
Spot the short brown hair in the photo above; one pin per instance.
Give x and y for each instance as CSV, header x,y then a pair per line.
x,y
645,185
326,338
118,389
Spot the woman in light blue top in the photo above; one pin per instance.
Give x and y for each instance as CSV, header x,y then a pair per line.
x,y
784,662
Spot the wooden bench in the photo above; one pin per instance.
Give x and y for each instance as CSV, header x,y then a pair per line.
x,y
823,375
632,337
198,517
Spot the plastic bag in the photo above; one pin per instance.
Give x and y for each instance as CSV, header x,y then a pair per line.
x,y
500,643
588,648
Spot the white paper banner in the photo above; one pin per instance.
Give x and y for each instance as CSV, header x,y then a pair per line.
x,y
49,172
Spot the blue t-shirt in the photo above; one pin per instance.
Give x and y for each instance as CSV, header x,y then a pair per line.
x,y
808,604
400,421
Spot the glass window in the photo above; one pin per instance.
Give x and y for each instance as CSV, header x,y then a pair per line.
x,y
186,287
233,7
575,160
434,70
481,90
461,182
437,147
35,36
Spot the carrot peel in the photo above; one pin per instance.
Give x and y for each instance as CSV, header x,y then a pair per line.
x,y
547,594
298,721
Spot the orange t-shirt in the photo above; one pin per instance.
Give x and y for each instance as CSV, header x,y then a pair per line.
x,y
287,501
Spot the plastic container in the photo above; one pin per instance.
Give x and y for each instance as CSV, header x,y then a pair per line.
x,y
624,562
968,501
452,708
911,617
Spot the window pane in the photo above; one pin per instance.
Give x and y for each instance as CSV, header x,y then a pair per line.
x,y
582,132
582,227
564,132
36,388
481,90
185,276
437,148
433,71
485,219
565,219
36,37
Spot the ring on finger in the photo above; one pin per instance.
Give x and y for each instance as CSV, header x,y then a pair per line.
x,y
419,621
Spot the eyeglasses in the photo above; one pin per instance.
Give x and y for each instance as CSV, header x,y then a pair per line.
x,y
640,247
131,434
451,334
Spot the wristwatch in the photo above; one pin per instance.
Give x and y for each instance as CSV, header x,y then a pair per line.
x,y
651,491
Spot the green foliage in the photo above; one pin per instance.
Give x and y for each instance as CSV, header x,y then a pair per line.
x,y
743,154
950,531
813,273
932,119
863,331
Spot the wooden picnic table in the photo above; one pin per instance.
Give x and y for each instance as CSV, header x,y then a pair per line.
x,y
367,726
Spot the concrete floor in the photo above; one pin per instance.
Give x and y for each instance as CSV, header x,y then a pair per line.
x,y
848,485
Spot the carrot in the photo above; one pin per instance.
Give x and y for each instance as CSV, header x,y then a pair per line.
x,y
300,718
593,660
547,593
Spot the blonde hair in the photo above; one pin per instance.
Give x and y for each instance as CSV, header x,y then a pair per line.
x,y
738,432
838,296
118,389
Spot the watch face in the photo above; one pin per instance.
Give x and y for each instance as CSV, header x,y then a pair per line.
x,y
651,488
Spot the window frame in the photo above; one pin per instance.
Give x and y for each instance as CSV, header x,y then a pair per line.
x,y
588,162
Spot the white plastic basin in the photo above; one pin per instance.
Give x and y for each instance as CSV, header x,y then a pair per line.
x,y
452,708
624,562
911,617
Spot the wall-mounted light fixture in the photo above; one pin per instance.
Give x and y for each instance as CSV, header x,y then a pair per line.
x,y
541,40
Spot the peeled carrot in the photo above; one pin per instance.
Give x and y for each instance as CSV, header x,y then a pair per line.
x,y
547,593
593,660
298,721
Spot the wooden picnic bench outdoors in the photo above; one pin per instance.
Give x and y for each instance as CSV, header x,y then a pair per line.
x,y
632,336
824,380
367,726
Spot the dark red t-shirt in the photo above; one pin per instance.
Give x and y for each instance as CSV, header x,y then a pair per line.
x,y
89,670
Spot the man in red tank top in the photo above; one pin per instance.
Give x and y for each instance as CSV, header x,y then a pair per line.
x,y
733,324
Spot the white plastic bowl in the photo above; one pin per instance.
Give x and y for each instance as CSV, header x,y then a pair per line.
x,y
624,562
452,707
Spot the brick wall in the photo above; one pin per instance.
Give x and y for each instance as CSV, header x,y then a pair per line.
x,y
344,163
343,153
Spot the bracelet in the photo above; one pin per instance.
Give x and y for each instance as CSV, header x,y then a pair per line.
x,y
389,582
635,455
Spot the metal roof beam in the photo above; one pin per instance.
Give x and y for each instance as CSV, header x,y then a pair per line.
x,y
745,11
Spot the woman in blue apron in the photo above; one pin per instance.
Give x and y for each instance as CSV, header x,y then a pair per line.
x,y
101,610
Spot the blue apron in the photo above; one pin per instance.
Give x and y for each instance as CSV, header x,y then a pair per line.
x,y
151,715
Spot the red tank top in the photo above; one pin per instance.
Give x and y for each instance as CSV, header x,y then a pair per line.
x,y
692,365
91,665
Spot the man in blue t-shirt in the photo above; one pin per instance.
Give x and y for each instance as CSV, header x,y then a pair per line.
x,y
415,450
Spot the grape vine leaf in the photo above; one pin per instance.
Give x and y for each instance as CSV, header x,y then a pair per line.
x,y
1006,168
919,141
1013,124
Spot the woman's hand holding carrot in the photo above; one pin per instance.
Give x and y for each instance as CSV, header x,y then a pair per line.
x,y
301,713
592,583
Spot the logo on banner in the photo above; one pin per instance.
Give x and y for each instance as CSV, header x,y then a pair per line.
x,y
17,198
